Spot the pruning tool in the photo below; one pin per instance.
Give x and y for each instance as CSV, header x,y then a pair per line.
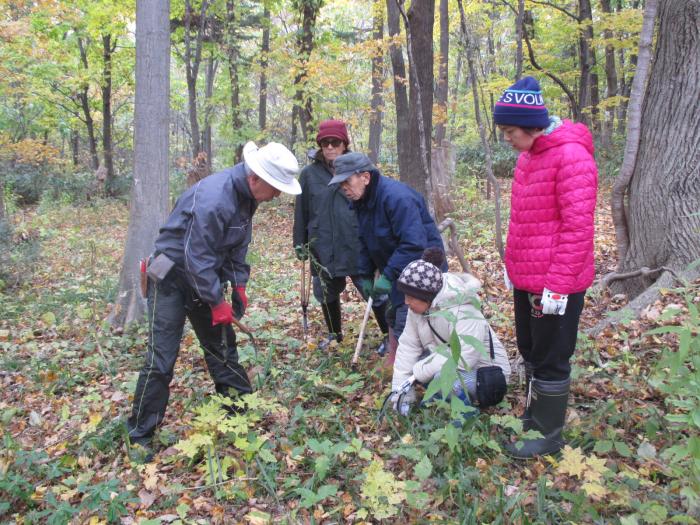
x,y
305,292
238,324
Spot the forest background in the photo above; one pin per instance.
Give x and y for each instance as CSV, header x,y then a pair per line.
x,y
416,83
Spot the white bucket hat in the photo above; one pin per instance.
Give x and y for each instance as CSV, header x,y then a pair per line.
x,y
274,164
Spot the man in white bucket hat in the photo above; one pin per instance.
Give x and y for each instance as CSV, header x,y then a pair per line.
x,y
203,245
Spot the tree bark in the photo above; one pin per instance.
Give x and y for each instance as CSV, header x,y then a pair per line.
x,y
589,98
377,102
664,192
442,82
419,22
108,48
264,51
209,77
193,58
149,197
83,96
520,15
400,82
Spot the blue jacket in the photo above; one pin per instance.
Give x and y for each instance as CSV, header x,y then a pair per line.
x,y
208,232
395,227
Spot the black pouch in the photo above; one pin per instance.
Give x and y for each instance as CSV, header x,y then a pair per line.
x,y
490,385
159,267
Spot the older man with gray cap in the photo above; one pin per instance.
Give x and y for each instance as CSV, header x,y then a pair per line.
x,y
394,227
203,245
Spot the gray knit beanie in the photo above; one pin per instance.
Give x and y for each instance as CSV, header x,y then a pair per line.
x,y
420,279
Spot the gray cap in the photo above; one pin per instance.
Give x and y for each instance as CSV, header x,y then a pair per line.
x,y
349,164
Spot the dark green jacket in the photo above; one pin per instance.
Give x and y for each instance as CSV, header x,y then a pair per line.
x,y
324,219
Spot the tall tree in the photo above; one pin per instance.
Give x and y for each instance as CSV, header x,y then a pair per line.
x,y
109,44
264,52
302,112
83,95
610,78
441,88
589,98
418,22
398,68
149,197
377,101
664,189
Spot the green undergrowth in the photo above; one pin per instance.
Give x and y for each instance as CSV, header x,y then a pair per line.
x,y
312,445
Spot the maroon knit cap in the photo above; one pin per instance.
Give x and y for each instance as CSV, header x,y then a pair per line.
x,y
332,129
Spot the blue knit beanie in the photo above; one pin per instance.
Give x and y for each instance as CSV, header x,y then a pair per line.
x,y
522,105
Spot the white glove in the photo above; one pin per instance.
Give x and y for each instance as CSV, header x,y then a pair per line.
x,y
506,279
553,302
402,402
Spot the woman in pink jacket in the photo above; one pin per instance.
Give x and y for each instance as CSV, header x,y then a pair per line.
x,y
549,252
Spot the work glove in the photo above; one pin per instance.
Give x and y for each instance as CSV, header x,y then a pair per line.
x,y
506,279
301,252
403,402
382,286
222,313
239,300
366,285
553,302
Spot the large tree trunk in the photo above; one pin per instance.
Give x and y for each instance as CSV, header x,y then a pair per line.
x,y
83,96
664,192
108,48
377,102
418,22
441,88
264,51
149,197
400,90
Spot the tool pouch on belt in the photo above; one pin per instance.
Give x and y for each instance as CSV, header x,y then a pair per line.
x,y
156,268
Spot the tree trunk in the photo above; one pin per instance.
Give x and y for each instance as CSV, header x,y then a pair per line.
x,y
377,102
664,193
107,50
611,81
75,146
83,96
442,82
232,53
264,51
302,112
519,39
193,58
400,82
210,75
589,97
149,197
419,22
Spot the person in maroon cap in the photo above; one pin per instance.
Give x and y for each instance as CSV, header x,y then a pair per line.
x,y
326,226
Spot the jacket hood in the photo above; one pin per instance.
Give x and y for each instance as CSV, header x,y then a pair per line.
x,y
567,133
457,288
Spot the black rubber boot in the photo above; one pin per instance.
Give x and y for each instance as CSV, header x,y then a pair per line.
x,y
331,313
380,316
526,418
548,412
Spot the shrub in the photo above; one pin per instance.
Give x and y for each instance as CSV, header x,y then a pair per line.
x,y
472,160
17,255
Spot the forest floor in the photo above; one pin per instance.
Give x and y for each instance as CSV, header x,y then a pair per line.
x,y
311,448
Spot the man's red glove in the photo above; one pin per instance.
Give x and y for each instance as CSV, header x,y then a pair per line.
x,y
222,313
239,300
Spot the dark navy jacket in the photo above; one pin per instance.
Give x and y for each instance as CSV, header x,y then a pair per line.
x,y
208,232
395,227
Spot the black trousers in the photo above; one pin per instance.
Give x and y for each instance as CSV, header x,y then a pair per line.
x,y
170,302
546,341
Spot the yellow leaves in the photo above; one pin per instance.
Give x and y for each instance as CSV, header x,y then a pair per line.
x,y
28,151
591,469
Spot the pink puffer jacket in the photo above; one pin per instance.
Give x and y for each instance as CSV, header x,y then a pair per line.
x,y
550,236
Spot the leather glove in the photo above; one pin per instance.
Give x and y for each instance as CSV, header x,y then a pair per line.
x,y
239,300
506,279
382,286
403,402
553,302
301,252
222,313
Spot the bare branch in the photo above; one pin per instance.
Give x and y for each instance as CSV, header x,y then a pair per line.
x,y
558,8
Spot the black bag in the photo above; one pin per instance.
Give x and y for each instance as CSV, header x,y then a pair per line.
x,y
490,382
